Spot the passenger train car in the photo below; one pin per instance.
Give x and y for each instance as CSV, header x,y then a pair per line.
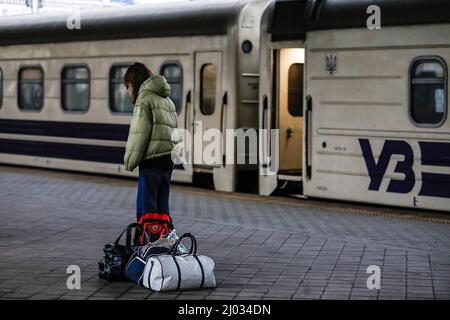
x,y
374,125
64,105
361,114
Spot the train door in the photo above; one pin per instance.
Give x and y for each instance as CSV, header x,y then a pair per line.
x,y
281,110
290,119
207,107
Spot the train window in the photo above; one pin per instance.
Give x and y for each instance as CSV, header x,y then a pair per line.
x,y
31,88
75,88
1,87
208,81
295,90
428,91
119,99
174,76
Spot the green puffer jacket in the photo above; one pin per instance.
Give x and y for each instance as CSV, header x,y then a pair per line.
x,y
153,124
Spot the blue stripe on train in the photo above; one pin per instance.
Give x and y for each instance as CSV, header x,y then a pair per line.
x,y
82,130
60,150
95,153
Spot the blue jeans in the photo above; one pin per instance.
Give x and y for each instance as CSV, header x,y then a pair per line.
x,y
153,190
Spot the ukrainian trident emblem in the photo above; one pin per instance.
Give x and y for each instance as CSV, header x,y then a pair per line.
x,y
331,63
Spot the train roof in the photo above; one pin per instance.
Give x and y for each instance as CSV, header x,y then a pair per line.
x,y
292,19
182,18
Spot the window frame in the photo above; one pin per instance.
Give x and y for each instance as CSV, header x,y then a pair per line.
x,y
180,66
110,93
202,68
30,66
412,67
75,65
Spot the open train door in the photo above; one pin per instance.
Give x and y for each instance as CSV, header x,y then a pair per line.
x,y
282,102
288,69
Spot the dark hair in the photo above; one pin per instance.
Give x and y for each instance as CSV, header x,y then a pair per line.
x,y
136,75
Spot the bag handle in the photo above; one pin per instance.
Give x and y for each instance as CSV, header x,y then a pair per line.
x,y
120,236
128,230
139,228
193,250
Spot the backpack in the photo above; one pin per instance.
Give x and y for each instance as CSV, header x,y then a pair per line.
x,y
156,225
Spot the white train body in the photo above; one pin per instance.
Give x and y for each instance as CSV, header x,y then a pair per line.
x,y
374,122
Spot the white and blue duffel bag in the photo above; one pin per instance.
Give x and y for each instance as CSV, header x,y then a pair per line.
x,y
175,271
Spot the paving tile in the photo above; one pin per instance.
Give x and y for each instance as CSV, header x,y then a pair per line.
x,y
306,253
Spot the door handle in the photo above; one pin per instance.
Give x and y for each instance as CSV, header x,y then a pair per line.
x,y
308,126
265,125
186,108
222,110
222,118
264,115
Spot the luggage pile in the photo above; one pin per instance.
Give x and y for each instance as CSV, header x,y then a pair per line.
x,y
156,258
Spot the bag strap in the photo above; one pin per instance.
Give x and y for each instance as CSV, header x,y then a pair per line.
x,y
171,226
120,236
128,230
141,234
203,271
193,250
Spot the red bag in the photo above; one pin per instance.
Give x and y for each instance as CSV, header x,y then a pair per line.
x,y
156,225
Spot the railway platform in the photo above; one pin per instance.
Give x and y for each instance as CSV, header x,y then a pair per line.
x,y
264,247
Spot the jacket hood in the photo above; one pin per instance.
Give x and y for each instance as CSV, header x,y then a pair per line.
x,y
156,84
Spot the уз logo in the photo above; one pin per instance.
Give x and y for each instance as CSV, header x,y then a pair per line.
x,y
435,154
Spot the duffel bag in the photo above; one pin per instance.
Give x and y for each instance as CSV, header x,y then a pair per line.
x,y
134,269
116,256
174,271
